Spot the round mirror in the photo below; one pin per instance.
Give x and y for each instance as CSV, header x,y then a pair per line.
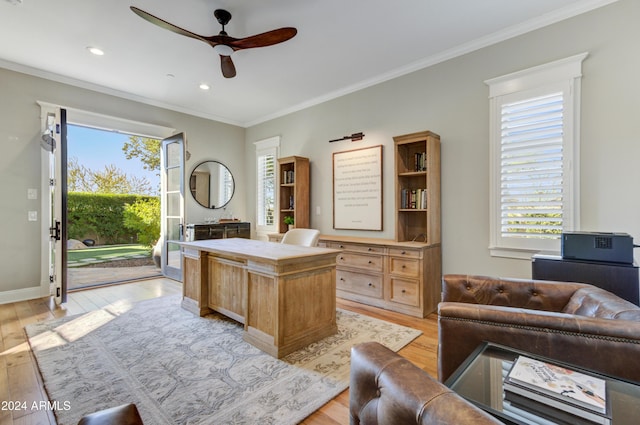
x,y
211,184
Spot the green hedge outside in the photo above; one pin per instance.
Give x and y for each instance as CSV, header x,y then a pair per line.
x,y
100,217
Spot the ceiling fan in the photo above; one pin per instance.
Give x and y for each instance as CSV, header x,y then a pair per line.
x,y
222,43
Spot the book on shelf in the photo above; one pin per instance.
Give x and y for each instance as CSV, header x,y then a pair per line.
x,y
288,177
413,199
574,392
420,161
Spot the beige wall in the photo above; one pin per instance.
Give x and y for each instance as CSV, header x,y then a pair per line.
x,y
452,100
20,166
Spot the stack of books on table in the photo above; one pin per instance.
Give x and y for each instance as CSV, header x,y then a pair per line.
x,y
558,393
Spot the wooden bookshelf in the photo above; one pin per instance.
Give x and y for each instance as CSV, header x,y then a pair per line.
x,y
293,191
417,175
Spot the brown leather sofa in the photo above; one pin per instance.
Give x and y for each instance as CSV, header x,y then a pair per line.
x,y
571,322
387,389
127,414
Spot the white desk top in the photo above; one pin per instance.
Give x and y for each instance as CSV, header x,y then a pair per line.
x,y
251,248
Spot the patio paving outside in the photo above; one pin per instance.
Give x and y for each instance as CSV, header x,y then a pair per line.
x,y
105,273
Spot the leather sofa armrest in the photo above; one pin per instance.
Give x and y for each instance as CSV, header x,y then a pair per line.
x,y
521,293
127,414
612,344
387,389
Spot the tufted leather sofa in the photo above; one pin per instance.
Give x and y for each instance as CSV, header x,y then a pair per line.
x,y
571,322
387,389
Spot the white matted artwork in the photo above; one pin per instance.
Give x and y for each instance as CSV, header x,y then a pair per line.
x,y
357,189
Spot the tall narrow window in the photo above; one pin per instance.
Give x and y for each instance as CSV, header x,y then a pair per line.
x,y
534,151
266,163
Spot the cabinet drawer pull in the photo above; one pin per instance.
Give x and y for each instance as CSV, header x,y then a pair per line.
x,y
370,262
340,246
342,279
404,291
341,257
370,284
404,267
403,252
369,249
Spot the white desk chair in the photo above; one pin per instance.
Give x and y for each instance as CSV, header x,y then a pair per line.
x,y
303,237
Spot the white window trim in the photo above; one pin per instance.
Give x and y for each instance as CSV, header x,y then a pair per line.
x,y
266,146
567,72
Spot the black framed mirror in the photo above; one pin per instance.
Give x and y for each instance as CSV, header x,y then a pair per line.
x,y
211,184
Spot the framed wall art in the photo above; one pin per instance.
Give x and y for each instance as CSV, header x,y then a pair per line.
x,y
357,189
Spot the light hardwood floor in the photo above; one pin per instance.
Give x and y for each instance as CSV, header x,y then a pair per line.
x,y
20,380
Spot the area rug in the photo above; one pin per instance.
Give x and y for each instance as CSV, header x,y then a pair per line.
x,y
182,369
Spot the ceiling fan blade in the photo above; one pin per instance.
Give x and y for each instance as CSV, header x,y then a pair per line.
x,y
228,68
166,25
268,38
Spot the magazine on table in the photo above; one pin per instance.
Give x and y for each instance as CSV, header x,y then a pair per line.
x,y
548,410
571,390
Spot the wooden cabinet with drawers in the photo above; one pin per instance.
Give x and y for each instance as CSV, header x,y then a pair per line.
x,y
399,276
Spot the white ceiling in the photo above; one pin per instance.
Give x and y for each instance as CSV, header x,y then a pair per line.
x,y
341,46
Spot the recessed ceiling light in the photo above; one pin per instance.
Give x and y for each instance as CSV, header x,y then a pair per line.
x,y
204,86
95,51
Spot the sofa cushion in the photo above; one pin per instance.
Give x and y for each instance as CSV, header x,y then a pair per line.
x,y
596,302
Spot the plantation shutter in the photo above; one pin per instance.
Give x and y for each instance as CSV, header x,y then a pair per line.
x,y
266,184
531,167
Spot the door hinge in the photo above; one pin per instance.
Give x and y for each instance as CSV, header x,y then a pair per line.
x,y
51,278
52,182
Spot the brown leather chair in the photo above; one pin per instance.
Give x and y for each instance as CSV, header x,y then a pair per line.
x,y
571,322
127,414
387,389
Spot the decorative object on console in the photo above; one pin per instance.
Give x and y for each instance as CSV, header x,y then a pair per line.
x,y
222,43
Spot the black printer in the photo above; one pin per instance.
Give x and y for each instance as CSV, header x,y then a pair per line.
x,y
598,246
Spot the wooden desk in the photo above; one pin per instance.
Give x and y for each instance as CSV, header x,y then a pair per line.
x,y
285,295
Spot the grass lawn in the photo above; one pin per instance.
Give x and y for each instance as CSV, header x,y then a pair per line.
x,y
107,252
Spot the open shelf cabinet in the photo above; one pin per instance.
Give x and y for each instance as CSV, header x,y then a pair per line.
x,y
293,191
417,174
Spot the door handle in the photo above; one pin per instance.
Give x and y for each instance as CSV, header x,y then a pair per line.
x,y
54,232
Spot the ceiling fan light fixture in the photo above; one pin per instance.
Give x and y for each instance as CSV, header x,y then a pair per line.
x,y
223,49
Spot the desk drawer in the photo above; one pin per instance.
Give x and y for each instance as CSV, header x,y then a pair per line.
x,y
368,262
405,291
359,283
404,266
404,252
369,249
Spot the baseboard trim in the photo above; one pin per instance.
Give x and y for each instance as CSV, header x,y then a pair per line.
x,y
17,295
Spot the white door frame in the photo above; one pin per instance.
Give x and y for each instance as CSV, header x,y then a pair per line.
x,y
89,119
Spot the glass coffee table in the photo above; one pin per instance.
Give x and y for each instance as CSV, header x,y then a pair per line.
x,y
480,380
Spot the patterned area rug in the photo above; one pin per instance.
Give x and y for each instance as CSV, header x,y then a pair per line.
x,y
183,369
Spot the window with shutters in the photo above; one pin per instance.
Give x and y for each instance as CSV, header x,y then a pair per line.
x,y
534,157
266,163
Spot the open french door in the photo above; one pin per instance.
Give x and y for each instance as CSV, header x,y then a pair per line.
x,y
54,142
172,205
